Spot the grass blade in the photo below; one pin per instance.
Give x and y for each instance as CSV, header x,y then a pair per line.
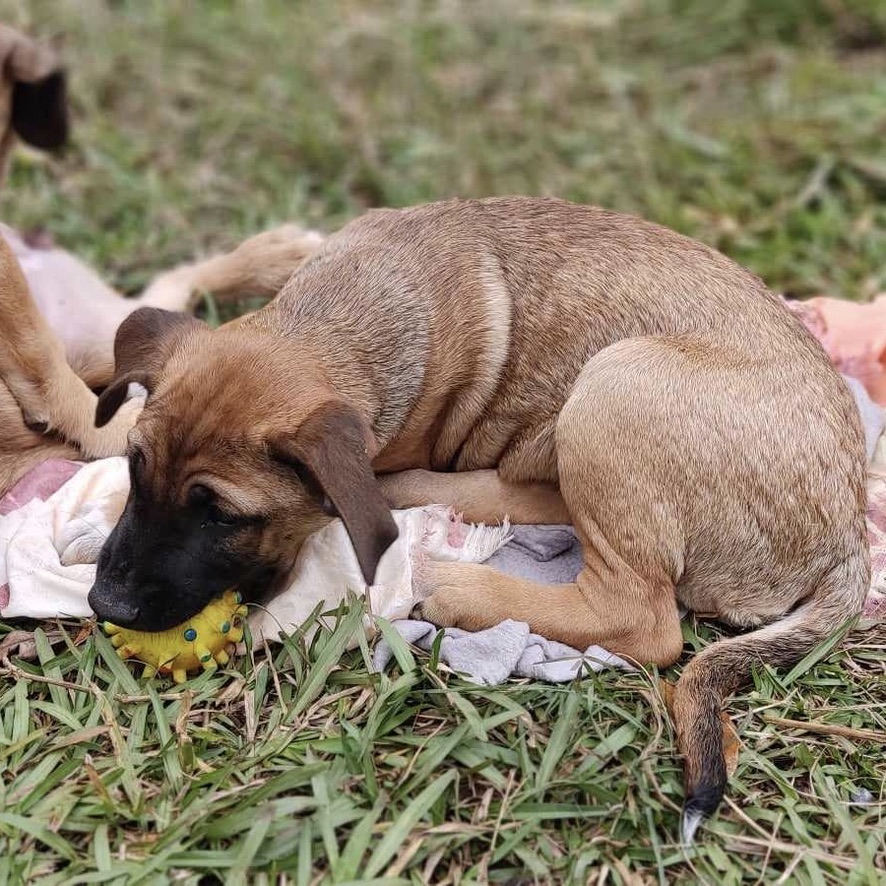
x,y
396,835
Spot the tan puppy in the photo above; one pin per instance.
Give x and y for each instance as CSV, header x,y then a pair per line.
x,y
57,331
556,362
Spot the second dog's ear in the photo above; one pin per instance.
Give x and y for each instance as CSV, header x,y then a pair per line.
x,y
40,111
143,344
37,81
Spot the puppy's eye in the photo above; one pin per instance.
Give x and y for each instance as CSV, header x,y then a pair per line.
x,y
200,496
203,499
216,516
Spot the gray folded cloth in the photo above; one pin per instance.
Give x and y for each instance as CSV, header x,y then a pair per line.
x,y
547,555
873,418
508,650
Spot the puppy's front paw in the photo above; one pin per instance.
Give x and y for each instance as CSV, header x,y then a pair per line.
x,y
438,610
445,598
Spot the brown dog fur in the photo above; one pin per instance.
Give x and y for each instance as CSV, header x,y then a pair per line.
x,y
540,358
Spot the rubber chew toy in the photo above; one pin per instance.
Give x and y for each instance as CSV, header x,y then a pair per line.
x,y
198,643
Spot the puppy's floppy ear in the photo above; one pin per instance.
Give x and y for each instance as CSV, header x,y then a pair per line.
x,y
143,344
329,453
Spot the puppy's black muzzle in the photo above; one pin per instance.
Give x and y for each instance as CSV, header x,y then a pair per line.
x,y
109,603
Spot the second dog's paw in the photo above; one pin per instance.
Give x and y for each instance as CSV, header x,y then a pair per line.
x,y
112,438
38,426
32,403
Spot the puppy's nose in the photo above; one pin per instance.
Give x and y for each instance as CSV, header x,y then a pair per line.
x,y
112,607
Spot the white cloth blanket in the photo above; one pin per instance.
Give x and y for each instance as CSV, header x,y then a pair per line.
x,y
48,551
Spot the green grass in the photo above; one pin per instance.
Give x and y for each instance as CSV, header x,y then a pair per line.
x,y
302,764
755,126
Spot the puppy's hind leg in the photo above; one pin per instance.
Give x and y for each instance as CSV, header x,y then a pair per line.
x,y
479,496
624,598
608,605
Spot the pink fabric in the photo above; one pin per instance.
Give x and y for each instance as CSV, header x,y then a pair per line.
x,y
853,334
40,482
874,608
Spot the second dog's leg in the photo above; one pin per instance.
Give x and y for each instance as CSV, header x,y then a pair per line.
x,y
258,267
34,367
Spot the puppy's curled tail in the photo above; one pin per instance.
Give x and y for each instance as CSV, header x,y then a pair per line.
x,y
726,666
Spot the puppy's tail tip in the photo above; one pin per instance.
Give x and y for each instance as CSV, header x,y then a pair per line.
x,y
701,740
698,809
690,822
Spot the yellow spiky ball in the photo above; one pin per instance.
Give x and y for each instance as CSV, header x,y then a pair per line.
x,y
200,642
